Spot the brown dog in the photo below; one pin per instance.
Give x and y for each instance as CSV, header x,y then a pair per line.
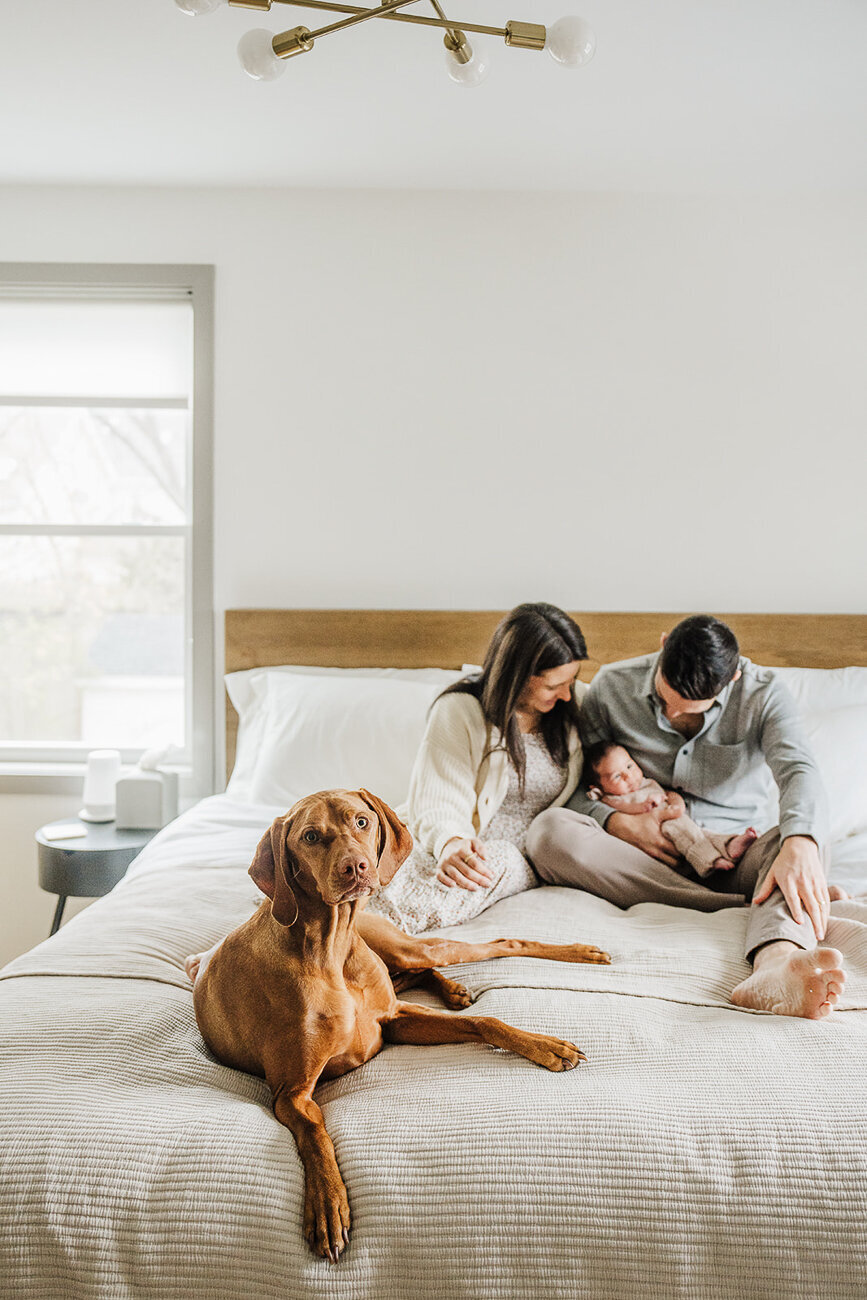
x,y
303,991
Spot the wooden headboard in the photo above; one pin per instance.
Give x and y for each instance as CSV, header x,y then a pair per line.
x,y
435,638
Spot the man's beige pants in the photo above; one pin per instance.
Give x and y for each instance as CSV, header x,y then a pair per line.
x,y
567,848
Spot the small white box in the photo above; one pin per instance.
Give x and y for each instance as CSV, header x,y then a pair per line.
x,y
64,831
146,800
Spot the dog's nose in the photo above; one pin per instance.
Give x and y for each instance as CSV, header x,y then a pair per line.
x,y
355,868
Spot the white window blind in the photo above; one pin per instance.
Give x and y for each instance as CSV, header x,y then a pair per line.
x,y
97,503
124,350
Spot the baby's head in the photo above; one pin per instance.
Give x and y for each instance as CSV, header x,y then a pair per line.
x,y
614,768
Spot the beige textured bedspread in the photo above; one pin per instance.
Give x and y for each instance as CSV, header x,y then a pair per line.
x,y
702,1151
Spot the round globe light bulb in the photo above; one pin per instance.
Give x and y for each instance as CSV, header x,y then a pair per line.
x,y
196,7
257,55
472,73
571,41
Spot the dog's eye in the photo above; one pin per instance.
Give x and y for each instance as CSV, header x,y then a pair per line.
x,y
310,837
362,822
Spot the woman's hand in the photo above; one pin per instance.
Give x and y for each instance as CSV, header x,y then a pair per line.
x,y
463,863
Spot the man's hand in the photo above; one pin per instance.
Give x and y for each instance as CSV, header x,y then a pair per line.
x,y
463,863
798,873
623,803
644,832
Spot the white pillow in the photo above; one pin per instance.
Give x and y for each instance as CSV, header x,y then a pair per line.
x,y
818,689
303,732
248,691
838,739
246,687
832,703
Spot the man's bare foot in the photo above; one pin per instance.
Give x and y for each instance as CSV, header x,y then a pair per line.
x,y
791,982
737,846
835,893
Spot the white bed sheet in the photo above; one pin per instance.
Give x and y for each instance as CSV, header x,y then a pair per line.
x,y
702,1151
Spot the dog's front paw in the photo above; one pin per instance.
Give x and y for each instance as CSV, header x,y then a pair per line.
x,y
588,954
555,1054
326,1216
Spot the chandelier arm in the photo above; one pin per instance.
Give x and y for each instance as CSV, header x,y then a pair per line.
x,y
394,17
361,16
454,37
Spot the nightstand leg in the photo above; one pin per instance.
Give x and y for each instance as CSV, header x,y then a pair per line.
x,y
58,914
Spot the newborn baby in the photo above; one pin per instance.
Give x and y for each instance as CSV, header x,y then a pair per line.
x,y
621,784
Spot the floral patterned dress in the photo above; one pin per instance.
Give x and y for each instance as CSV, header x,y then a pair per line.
x,y
416,901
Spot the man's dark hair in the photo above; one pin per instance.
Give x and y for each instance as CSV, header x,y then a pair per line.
x,y
700,657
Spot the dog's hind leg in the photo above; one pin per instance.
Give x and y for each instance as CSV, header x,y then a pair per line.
x,y
423,1027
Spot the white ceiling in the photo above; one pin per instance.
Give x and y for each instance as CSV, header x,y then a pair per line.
x,y
698,96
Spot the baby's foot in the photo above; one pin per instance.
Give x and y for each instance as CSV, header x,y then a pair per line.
x,y
835,893
792,982
737,846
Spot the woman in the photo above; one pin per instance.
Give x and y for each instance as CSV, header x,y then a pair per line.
x,y
500,747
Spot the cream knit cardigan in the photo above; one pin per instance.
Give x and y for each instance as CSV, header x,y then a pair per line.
x,y
456,786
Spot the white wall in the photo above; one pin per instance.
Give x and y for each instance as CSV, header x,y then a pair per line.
x,y
467,400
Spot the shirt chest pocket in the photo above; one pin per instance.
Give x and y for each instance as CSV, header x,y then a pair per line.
x,y
716,771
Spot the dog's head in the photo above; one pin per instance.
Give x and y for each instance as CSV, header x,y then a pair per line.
x,y
337,846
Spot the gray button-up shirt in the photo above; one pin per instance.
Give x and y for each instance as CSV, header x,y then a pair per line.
x,y
750,738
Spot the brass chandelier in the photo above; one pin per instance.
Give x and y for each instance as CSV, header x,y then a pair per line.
x,y
263,55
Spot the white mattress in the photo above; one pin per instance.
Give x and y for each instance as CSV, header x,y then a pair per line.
x,y
702,1151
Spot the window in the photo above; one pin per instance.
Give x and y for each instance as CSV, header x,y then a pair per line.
x,y
105,503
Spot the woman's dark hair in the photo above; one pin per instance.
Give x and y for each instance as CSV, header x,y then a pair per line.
x,y
700,657
527,642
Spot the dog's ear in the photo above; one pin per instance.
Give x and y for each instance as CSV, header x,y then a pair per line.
x,y
270,870
395,841
262,867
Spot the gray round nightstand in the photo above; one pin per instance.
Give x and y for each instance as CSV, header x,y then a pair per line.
x,y
87,867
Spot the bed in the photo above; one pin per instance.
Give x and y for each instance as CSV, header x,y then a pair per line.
x,y
702,1151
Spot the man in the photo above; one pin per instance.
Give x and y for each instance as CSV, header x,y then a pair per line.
x,y
702,719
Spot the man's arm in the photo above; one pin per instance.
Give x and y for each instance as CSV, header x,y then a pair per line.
x,y
803,801
797,870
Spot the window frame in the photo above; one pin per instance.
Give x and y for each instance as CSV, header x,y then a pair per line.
x,y
45,770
